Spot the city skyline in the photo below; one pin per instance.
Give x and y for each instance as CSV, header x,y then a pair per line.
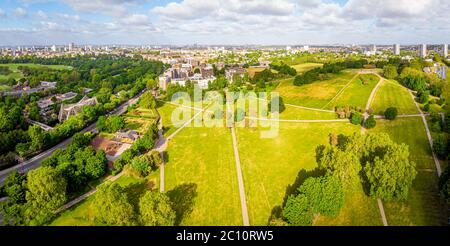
x,y
223,22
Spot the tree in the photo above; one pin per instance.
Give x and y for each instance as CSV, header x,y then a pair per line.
x,y
370,122
325,194
341,161
142,164
101,123
156,209
96,165
444,184
322,195
423,96
278,103
297,211
115,123
147,101
388,171
390,72
390,113
112,207
37,137
14,187
440,145
356,118
46,193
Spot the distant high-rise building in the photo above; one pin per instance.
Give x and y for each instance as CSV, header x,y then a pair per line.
x,y
71,46
423,50
445,50
373,48
397,49
54,48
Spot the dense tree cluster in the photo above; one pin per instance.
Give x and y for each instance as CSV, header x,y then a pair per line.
x,y
113,79
113,207
284,69
111,123
386,169
146,163
322,195
38,194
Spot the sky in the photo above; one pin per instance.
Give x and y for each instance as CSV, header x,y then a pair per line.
x,y
224,22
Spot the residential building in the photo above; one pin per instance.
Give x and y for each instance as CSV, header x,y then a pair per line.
x,y
397,49
163,82
207,71
230,73
445,50
423,50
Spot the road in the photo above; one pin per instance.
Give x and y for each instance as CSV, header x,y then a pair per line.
x,y
35,161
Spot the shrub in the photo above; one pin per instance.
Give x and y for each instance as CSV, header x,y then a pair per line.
x,y
370,122
356,118
391,113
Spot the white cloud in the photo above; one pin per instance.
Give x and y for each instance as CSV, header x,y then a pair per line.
x,y
20,12
110,7
2,13
41,15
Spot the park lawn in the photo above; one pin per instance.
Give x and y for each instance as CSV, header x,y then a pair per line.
x,y
201,177
16,74
357,93
316,94
271,165
358,210
165,111
392,94
301,68
294,113
423,206
83,214
410,131
14,66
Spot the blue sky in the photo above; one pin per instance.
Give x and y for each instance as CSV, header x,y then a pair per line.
x,y
25,22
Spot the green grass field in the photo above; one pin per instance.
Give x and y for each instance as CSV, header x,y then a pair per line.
x,y
294,113
270,166
316,94
201,174
301,68
165,110
16,74
410,131
392,94
357,93
424,206
358,210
